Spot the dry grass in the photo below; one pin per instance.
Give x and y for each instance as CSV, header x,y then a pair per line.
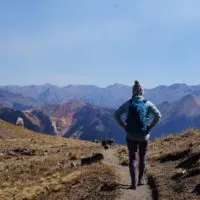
x,y
93,183
174,166
37,166
123,155
75,154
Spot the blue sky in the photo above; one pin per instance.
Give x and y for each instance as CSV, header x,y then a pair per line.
x,y
99,42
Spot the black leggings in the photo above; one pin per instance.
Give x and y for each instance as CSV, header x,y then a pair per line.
x,y
132,148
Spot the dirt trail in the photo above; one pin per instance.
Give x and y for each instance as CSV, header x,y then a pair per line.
x,y
141,193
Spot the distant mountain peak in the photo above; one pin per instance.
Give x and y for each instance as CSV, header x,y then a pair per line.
x,y
74,102
161,87
192,99
117,85
48,84
177,85
189,96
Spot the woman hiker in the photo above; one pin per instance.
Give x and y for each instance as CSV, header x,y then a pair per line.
x,y
137,127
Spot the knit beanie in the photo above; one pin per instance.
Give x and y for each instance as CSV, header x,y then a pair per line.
x,y
137,89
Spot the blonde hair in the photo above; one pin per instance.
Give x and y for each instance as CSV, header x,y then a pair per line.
x,y
137,89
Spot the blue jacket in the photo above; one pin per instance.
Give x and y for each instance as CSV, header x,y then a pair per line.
x,y
152,110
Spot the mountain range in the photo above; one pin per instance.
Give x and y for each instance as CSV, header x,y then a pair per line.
x,y
74,119
86,112
110,97
34,120
16,101
178,116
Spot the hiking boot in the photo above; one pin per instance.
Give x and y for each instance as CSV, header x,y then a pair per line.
x,y
141,181
133,187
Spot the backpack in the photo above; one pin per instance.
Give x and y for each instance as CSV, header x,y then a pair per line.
x,y
136,121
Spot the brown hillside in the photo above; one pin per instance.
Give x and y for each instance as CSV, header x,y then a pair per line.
x,y
62,115
174,166
34,166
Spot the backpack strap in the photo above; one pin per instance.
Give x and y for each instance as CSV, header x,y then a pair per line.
x,y
130,100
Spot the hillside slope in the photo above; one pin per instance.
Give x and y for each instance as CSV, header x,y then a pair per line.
x,y
39,167
35,166
73,119
76,119
34,120
178,116
174,166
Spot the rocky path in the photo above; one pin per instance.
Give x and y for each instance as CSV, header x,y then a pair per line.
x,y
125,193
